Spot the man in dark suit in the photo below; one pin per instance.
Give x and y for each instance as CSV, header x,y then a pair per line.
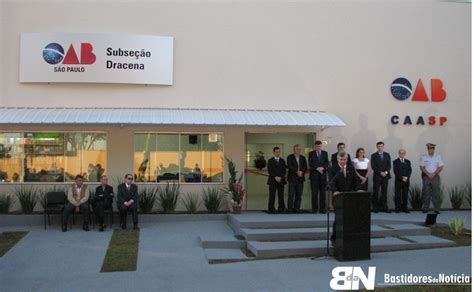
x,y
381,165
104,196
276,180
319,163
127,200
297,167
342,178
340,147
402,170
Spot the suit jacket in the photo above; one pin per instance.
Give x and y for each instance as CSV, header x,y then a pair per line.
x,y
106,195
379,165
293,168
276,169
334,159
339,183
402,169
314,163
124,195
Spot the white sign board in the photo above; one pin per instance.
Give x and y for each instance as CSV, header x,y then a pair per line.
x,y
96,58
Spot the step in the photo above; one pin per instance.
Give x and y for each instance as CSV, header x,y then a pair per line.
x,y
278,249
221,241
224,254
321,232
267,221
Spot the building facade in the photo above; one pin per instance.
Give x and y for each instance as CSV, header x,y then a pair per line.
x,y
337,58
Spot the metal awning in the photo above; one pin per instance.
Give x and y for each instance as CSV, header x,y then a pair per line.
x,y
155,116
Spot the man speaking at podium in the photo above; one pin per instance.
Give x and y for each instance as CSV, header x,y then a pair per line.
x,y
342,178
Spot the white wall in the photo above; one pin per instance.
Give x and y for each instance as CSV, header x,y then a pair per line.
x,y
316,55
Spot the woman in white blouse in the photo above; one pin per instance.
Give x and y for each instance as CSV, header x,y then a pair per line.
x,y
362,167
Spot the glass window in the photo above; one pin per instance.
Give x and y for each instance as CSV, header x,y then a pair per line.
x,y
86,154
179,157
44,157
52,156
213,157
11,155
167,157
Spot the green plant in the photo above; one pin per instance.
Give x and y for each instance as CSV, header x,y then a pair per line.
x,y
456,225
416,197
191,202
27,198
168,196
147,199
234,184
212,198
6,202
468,192
456,196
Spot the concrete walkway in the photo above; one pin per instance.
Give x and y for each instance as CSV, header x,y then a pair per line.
x,y
172,259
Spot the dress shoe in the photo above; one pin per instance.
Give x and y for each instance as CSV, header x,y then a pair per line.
x,y
85,226
437,212
397,210
101,229
424,211
386,211
405,211
135,227
64,228
375,210
124,226
271,211
322,211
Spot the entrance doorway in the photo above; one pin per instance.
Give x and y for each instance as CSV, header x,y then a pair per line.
x,y
256,177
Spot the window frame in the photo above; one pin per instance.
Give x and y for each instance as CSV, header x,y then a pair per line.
x,y
64,182
179,156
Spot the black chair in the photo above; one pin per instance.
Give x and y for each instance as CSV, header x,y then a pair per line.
x,y
55,205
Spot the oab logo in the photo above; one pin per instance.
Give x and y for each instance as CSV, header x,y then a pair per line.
x,y
348,278
401,89
53,54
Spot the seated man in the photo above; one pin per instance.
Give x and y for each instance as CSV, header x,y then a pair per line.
x,y
78,201
104,196
127,200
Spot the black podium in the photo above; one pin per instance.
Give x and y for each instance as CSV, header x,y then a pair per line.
x,y
352,226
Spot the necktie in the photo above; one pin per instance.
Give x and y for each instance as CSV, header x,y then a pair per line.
x,y
343,171
319,156
402,160
381,156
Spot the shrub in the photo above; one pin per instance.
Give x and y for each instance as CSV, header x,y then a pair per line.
x,y
456,225
191,202
147,199
468,192
168,196
416,197
212,198
27,198
456,196
6,202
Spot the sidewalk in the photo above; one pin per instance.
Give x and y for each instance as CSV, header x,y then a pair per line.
x,y
171,259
